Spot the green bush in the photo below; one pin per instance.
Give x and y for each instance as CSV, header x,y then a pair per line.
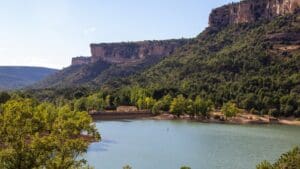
x,y
229,109
289,160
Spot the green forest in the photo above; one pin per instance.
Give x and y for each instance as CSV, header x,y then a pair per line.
x,y
251,67
240,63
243,64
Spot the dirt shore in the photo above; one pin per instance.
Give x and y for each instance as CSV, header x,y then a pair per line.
x,y
215,117
241,119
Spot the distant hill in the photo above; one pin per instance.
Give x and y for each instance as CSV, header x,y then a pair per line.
x,y
15,77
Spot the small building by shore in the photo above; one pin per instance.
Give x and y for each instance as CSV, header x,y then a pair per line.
x,y
127,109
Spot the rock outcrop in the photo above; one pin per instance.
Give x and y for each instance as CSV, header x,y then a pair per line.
x,y
251,11
201,61
81,60
129,52
242,12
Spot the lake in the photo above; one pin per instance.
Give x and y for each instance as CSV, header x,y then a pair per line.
x,y
150,144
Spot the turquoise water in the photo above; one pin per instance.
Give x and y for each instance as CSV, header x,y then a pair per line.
x,y
149,144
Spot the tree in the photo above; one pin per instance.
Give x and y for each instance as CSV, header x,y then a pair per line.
x,y
4,97
185,167
157,107
249,102
123,97
202,107
288,105
127,167
141,103
289,160
191,110
95,102
199,107
178,105
108,101
145,103
229,109
166,102
78,94
80,104
149,103
137,93
43,136
264,165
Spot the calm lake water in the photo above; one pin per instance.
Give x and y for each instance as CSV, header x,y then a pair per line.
x,y
148,144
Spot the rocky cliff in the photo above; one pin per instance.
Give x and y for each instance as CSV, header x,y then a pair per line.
x,y
130,52
205,63
81,60
251,11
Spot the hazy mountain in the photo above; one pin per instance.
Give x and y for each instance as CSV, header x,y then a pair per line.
x,y
15,77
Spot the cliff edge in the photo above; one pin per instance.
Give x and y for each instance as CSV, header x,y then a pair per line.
x,y
129,52
251,11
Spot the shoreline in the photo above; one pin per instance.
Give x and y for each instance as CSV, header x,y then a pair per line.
x,y
240,119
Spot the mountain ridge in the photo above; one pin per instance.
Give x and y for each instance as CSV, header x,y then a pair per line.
x,y
16,77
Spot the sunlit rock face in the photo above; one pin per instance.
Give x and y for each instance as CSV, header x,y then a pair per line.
x,y
250,11
81,60
129,52
133,51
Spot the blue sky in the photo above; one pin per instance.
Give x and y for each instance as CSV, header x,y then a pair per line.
x,y
50,32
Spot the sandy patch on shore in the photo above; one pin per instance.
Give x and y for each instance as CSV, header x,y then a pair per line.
x,y
243,118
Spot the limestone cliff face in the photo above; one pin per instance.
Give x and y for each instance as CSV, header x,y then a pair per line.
x,y
133,51
243,12
81,60
251,11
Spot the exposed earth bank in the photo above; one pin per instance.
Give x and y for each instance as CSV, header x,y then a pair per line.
x,y
244,118
215,117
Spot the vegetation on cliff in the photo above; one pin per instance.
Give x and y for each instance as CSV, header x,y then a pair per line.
x,y
256,65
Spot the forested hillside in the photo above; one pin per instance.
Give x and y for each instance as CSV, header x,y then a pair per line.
x,y
256,65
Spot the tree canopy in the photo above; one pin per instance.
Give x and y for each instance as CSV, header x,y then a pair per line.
x,y
36,135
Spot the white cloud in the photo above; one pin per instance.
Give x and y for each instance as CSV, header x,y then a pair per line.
x,y
90,30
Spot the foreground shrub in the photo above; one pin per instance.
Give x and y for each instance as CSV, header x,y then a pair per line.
x,y
289,160
43,136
